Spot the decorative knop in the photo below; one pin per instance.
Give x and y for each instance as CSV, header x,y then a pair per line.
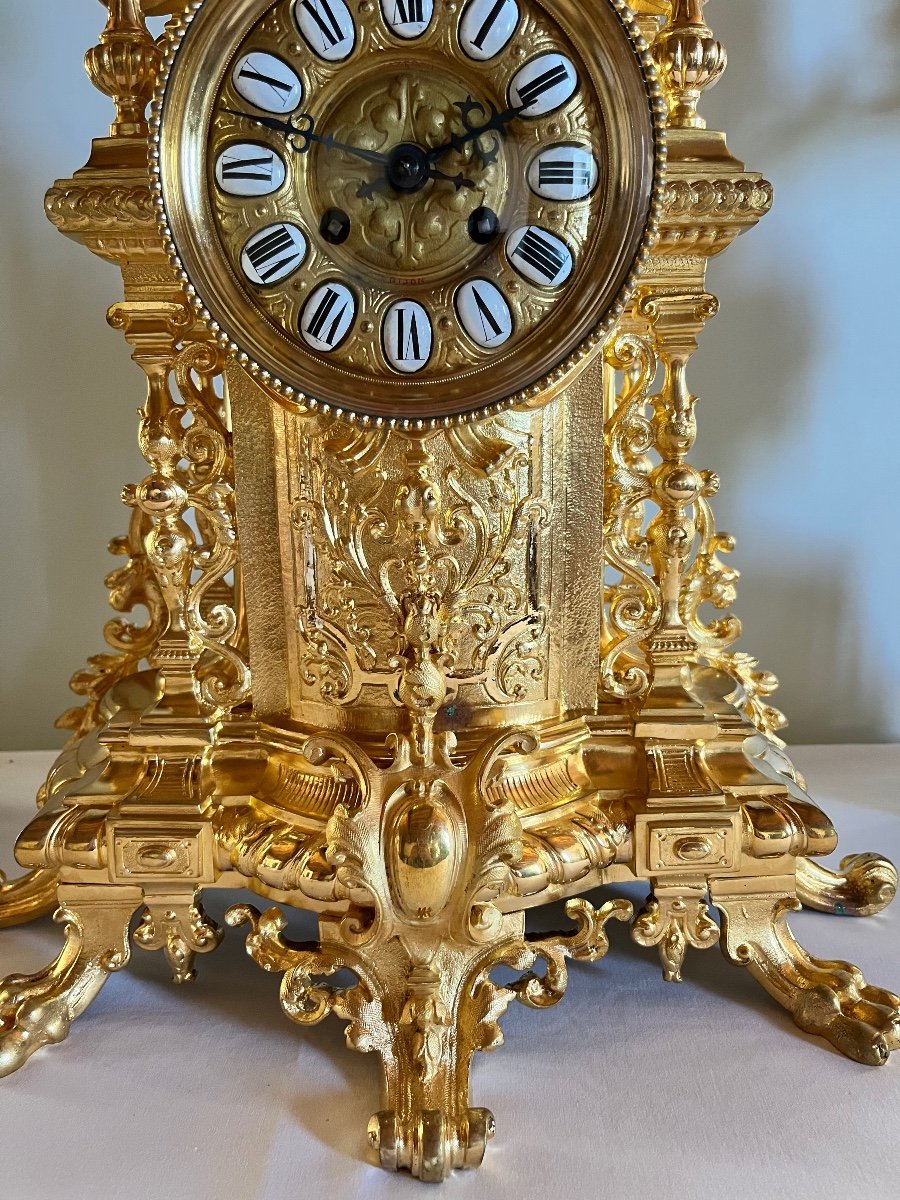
x,y
690,60
124,65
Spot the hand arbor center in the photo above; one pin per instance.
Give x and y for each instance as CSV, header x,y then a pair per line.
x,y
407,168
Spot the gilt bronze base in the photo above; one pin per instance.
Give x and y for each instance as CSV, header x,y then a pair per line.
x,y
422,874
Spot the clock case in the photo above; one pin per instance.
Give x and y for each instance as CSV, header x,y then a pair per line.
x,y
420,683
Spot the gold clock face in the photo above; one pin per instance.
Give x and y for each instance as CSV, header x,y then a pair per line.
x,y
407,209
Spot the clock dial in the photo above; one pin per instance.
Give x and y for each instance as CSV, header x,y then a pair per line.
x,y
430,222
416,202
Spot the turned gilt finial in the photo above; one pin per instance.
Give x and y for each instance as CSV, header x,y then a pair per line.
x,y
690,60
123,66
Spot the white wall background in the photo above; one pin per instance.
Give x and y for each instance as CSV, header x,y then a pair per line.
x,y
797,375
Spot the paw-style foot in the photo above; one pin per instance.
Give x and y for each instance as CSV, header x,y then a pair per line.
x,y
864,885
829,999
38,1010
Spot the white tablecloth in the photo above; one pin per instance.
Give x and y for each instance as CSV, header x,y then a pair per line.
x,y
628,1088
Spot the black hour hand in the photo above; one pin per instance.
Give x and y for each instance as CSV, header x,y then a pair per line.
x,y
267,122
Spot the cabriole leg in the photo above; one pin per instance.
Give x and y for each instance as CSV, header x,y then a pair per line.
x,y
426,1004
830,999
38,1010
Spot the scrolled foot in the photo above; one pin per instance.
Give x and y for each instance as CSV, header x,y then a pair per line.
x,y
829,999
864,885
38,1010
26,898
427,1147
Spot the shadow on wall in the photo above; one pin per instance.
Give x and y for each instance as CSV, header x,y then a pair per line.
x,y
786,368
789,81
69,392
70,434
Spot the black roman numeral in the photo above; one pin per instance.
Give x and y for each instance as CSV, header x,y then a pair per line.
x,y
489,20
326,21
271,253
249,168
408,12
324,313
535,88
408,344
540,254
488,320
563,173
248,71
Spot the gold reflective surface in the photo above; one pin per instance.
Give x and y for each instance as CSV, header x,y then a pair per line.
x,y
420,681
387,92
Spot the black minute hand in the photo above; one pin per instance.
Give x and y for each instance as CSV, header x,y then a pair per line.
x,y
307,135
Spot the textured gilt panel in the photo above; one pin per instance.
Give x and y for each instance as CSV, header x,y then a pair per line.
x,y
406,599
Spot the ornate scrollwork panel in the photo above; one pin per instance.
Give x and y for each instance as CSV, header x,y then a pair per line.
x,y
417,563
190,541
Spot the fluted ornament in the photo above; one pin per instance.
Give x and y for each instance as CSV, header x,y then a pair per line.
x,y
124,65
690,60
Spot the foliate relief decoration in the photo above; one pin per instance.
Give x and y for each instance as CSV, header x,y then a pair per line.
x,y
632,598
429,233
123,210
709,580
672,923
426,1007
132,585
753,688
704,216
191,543
589,943
181,928
663,550
419,568
739,200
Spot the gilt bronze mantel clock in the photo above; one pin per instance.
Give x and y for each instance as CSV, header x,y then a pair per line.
x,y
438,620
